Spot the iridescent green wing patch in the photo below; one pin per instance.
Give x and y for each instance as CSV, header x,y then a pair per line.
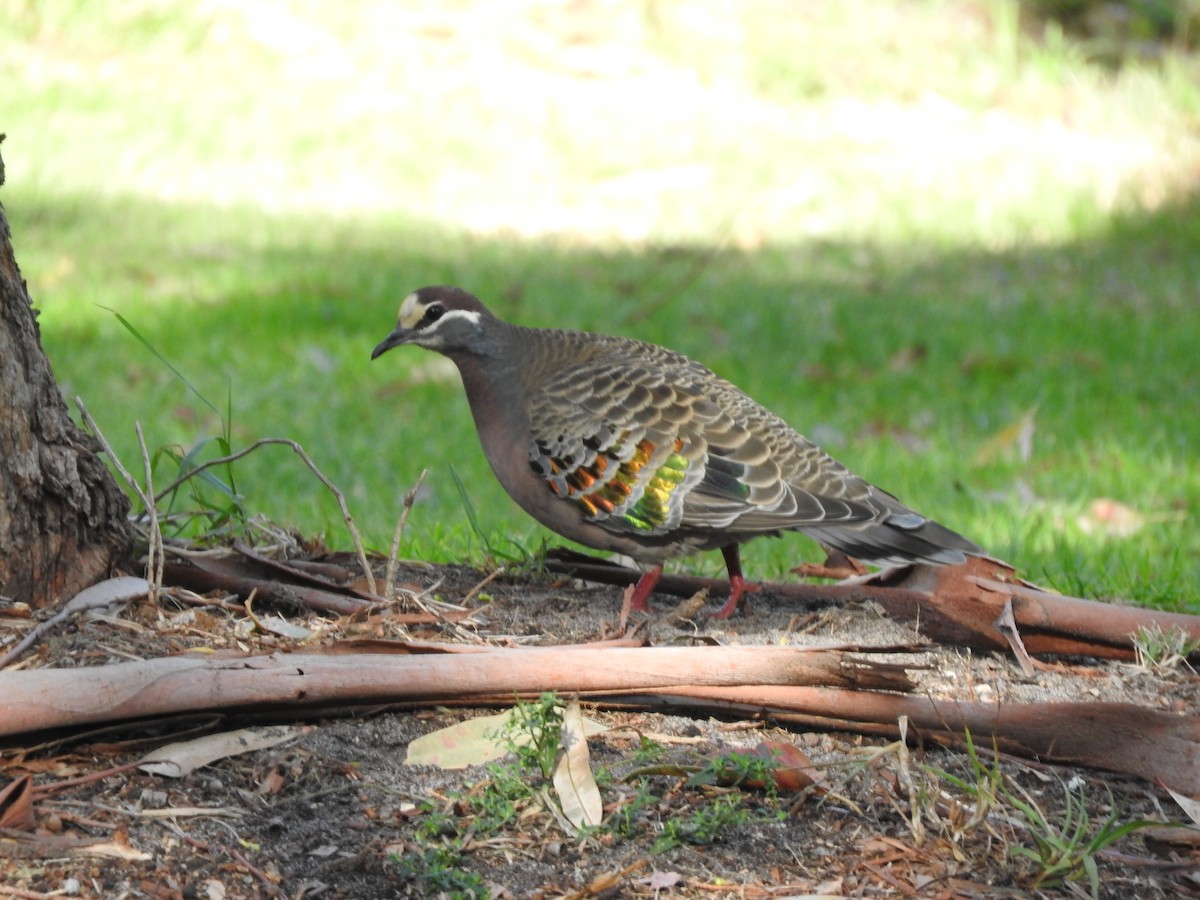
x,y
633,483
653,508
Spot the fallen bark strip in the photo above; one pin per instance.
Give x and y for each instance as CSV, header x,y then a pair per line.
x,y
40,699
820,688
950,604
202,575
1116,737
963,604
273,570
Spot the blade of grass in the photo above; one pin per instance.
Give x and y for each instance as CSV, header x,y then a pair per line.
x,y
128,326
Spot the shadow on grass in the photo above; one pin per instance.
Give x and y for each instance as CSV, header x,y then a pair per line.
x,y
913,364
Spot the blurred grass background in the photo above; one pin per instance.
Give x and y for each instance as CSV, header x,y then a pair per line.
x,y
957,243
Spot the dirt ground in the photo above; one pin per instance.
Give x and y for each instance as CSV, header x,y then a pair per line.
x,y
336,813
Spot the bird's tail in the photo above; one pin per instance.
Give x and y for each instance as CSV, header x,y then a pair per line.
x,y
899,537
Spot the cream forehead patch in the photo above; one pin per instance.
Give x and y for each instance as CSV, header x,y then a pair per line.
x,y
410,313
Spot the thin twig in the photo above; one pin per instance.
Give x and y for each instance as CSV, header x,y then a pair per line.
x,y
112,455
155,554
147,501
389,584
96,596
299,451
269,886
488,579
431,609
24,894
220,461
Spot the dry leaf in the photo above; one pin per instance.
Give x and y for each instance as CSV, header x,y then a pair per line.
x,y
177,760
1111,517
1189,805
578,793
794,771
114,850
16,804
282,627
271,784
473,742
110,593
661,881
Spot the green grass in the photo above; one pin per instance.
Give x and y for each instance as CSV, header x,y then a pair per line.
x,y
902,256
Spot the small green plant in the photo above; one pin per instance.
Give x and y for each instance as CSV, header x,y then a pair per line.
x,y
1062,847
534,733
439,870
493,554
1161,651
648,751
739,769
628,818
704,825
437,861
1065,847
499,799
981,783
215,503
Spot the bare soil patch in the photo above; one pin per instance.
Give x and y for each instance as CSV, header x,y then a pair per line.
x,y
335,812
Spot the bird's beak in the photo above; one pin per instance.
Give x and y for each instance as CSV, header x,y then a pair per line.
x,y
398,336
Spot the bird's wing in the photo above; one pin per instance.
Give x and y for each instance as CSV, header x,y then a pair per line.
x,y
664,448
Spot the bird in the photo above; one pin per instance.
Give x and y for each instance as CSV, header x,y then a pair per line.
x,y
629,447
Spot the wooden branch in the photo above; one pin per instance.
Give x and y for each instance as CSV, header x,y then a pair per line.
x,y
820,688
1117,737
961,604
41,699
949,604
210,574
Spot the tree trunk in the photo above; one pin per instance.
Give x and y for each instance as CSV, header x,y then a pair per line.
x,y
63,519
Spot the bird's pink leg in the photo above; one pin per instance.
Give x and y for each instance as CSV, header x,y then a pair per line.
x,y
638,600
737,584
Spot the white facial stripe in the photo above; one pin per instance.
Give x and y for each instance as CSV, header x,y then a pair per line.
x,y
469,315
434,335
412,311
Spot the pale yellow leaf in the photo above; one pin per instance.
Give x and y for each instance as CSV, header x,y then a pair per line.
x,y
177,760
577,790
1190,805
473,742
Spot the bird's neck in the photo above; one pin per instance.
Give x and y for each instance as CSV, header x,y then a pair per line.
x,y
490,380
501,420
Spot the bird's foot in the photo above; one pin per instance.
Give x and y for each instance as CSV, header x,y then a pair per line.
x,y
637,596
738,586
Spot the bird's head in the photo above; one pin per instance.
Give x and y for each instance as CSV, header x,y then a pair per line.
x,y
446,319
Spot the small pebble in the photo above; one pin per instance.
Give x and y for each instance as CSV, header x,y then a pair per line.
x,y
152,799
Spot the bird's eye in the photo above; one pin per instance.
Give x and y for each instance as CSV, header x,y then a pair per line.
x,y
434,312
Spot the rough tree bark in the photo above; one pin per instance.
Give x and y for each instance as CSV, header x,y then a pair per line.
x,y
63,519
